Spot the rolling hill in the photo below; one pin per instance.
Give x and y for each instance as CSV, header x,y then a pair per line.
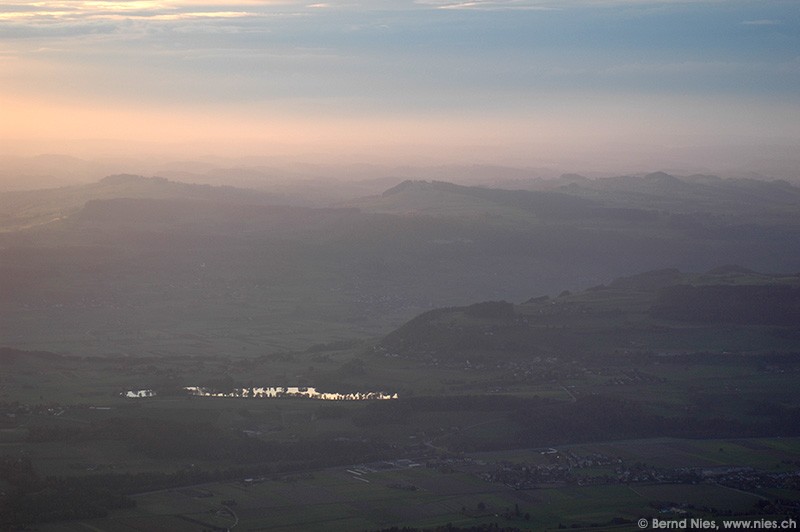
x,y
30,208
725,310
132,264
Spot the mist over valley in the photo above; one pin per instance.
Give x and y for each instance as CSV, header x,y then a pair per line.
x,y
571,320
416,265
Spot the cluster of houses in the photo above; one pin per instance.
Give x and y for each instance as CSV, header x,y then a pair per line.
x,y
290,391
272,392
136,394
749,479
596,469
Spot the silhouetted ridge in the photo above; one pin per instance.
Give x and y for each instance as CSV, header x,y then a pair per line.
x,y
661,177
127,179
652,280
410,184
400,187
490,309
730,269
547,203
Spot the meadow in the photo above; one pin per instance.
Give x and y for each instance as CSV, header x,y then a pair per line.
x,y
534,387
357,497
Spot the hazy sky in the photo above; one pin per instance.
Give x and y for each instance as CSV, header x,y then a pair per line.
x,y
487,79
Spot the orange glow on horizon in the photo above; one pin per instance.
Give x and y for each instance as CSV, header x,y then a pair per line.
x,y
31,118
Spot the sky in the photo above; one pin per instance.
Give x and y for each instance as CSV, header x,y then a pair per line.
x,y
490,81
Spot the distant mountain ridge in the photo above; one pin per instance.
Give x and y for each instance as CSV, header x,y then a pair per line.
x,y
660,190
624,198
445,198
657,311
153,248
21,209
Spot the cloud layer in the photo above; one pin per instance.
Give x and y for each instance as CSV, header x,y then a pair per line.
x,y
486,71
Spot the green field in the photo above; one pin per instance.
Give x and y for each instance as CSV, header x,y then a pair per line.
x,y
663,393
354,497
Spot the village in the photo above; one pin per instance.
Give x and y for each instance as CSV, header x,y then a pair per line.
x,y
271,393
568,468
